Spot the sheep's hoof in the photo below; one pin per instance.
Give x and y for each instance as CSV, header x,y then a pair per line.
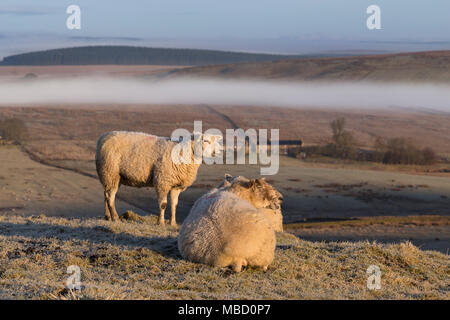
x,y
174,224
237,268
265,268
161,222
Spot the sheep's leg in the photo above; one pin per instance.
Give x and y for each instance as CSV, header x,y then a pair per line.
x,y
111,199
238,264
162,202
174,194
107,213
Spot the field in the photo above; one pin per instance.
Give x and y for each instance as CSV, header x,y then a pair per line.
x,y
131,260
340,216
62,178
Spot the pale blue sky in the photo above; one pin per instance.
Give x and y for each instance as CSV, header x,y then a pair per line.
x,y
192,23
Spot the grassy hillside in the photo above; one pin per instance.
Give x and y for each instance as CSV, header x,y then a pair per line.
x,y
310,125
140,260
422,66
124,55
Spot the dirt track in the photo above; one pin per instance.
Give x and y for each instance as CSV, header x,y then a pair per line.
x,y
30,188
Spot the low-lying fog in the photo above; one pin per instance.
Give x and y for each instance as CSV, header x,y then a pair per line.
x,y
230,92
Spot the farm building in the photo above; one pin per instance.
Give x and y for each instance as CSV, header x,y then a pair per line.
x,y
284,145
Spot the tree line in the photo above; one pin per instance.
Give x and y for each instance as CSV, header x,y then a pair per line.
x,y
125,55
396,150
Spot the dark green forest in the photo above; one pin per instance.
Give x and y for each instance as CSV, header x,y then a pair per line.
x,y
124,55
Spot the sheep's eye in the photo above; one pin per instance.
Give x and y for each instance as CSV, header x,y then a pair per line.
x,y
281,199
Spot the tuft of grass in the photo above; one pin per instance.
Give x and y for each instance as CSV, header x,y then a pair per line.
x,y
129,260
132,216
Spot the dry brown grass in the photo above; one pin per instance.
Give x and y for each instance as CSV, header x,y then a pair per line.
x,y
18,72
440,169
140,261
410,67
428,220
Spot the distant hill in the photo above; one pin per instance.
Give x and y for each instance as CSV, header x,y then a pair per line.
x,y
420,66
125,55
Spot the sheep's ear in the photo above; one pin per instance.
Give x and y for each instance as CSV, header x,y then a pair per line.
x,y
261,180
247,184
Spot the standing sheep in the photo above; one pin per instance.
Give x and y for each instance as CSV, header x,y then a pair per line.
x,y
226,228
141,160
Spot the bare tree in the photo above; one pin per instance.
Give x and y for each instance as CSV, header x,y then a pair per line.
x,y
343,140
403,151
341,137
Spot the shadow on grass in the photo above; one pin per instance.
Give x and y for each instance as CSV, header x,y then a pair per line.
x,y
99,234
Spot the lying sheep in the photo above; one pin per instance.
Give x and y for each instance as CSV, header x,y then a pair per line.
x,y
273,214
141,160
225,227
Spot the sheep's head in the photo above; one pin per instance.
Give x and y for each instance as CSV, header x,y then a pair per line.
x,y
258,192
196,147
211,145
206,145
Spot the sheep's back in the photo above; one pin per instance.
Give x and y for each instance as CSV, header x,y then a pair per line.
x,y
130,155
